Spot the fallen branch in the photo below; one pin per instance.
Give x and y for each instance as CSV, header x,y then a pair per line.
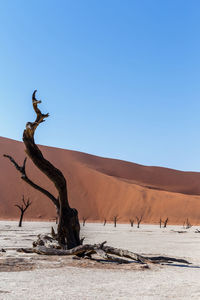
x,y
46,245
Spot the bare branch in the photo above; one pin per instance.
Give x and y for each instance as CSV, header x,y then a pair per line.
x,y
31,126
22,170
20,207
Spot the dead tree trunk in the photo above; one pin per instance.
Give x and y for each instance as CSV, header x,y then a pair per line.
x,y
68,223
139,220
104,223
131,222
160,222
165,223
115,219
23,207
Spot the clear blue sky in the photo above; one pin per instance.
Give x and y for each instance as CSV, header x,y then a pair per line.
x,y
120,79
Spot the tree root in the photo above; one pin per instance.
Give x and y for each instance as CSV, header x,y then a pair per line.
x,y
45,245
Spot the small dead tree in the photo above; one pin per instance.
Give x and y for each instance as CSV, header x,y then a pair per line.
x,y
131,222
165,223
139,220
115,219
188,224
160,222
23,207
84,220
105,221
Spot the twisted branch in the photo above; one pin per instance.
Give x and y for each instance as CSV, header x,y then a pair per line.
x,y
22,170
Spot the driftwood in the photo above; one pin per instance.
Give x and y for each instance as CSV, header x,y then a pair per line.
x,y
46,245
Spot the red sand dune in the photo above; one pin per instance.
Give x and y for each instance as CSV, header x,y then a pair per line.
x,y
100,187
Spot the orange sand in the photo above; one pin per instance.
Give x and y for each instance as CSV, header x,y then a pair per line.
x,y
100,187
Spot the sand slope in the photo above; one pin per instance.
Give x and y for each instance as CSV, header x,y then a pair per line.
x,y
101,187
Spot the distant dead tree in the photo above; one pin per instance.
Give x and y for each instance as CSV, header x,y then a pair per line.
x,y
115,219
84,220
139,219
23,207
104,222
188,224
160,222
165,223
131,222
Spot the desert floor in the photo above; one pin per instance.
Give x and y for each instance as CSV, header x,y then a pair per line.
x,y
32,276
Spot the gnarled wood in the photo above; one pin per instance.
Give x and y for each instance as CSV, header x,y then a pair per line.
x,y
46,245
68,226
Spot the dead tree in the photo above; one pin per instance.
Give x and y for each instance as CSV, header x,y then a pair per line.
x,y
84,220
160,222
139,220
115,219
23,207
131,222
165,223
188,224
68,223
105,221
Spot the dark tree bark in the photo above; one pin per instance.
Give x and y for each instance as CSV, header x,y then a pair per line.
x,y
23,207
104,223
68,223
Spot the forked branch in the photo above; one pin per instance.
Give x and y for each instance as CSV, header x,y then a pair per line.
x,y
22,170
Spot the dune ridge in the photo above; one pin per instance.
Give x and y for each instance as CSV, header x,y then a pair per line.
x,y
100,187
